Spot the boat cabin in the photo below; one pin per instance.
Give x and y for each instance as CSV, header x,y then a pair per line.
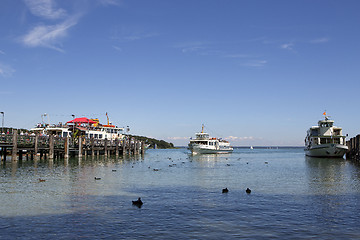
x,y
325,133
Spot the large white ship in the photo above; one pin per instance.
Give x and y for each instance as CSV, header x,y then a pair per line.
x,y
89,128
204,144
325,140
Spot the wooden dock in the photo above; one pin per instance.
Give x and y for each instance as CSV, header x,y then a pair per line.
x,y
354,148
50,147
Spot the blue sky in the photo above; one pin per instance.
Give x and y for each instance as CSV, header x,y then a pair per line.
x,y
255,72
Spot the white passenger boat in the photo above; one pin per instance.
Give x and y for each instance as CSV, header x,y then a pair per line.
x,y
89,128
325,140
204,144
59,130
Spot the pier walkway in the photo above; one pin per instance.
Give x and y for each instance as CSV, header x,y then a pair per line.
x,y
50,147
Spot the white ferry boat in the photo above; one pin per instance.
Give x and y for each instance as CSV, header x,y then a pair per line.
x,y
90,128
55,129
204,144
325,140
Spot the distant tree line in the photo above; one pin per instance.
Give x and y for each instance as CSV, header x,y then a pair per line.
x,y
10,130
154,142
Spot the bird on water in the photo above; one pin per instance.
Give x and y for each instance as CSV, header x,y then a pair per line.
x,y
225,190
97,178
248,190
138,203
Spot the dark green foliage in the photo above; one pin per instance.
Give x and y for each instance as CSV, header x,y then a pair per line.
x,y
159,143
10,130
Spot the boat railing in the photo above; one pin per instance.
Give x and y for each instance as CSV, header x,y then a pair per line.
x,y
317,140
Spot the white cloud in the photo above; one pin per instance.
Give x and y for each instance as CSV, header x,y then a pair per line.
x,y
6,70
320,40
178,138
236,56
110,2
191,47
117,48
45,9
287,46
136,37
254,63
48,36
239,139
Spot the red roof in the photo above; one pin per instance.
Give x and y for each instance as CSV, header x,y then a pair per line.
x,y
81,120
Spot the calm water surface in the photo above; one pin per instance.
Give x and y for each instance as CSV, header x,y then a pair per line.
x,y
293,197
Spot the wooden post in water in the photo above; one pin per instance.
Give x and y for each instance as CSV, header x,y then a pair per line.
x,y
117,147
14,149
66,146
20,154
123,142
142,148
80,146
92,147
130,147
136,151
51,146
3,154
105,143
36,147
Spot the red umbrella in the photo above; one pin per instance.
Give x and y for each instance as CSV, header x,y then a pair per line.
x,y
81,120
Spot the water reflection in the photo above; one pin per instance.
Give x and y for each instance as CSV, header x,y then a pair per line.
x,y
209,159
326,175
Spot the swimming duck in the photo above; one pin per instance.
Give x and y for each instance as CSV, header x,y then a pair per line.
x,y
248,191
138,203
41,180
225,190
97,178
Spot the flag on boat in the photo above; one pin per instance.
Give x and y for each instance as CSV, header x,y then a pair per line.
x,y
324,113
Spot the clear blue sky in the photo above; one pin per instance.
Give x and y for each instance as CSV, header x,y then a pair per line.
x,y
255,72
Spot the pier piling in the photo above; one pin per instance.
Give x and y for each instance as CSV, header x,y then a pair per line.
x,y
14,147
52,147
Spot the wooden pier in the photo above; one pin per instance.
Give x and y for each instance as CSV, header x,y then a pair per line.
x,y
50,147
354,148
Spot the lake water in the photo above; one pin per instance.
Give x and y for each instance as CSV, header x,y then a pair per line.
x,y
293,197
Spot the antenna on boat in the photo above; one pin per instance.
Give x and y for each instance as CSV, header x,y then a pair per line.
x,y
326,117
42,118
202,128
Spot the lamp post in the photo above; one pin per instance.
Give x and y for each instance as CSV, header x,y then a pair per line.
x,y
2,125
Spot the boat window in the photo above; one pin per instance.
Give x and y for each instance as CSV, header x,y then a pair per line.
x,y
314,132
91,135
65,134
100,136
95,136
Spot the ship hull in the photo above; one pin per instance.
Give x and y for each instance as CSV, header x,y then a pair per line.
x,y
208,150
327,150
